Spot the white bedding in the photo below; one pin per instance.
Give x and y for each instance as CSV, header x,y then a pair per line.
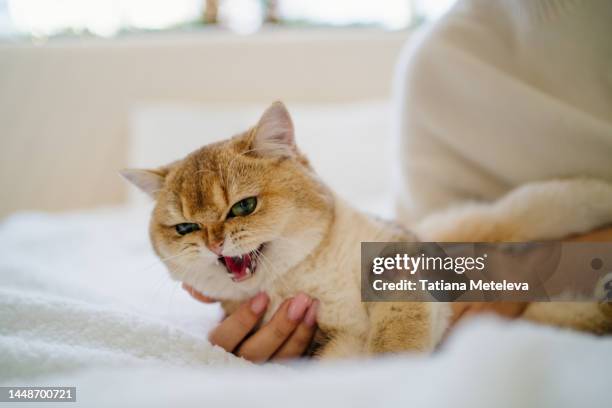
x,y
84,302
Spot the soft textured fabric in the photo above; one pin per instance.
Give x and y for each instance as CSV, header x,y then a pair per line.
x,y
501,92
84,303
85,289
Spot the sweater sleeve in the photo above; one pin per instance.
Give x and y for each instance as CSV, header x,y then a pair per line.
x,y
474,121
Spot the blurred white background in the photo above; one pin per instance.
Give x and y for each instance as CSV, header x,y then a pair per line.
x,y
74,72
42,18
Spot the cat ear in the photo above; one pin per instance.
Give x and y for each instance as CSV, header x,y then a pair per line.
x,y
149,181
274,134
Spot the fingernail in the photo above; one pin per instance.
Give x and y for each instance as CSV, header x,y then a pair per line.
x,y
311,315
298,306
259,303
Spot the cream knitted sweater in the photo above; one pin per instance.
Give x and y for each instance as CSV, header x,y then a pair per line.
x,y
501,92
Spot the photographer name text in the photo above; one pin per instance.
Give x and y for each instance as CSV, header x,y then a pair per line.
x,y
438,285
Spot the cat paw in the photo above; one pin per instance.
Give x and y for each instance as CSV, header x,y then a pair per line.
x,y
557,208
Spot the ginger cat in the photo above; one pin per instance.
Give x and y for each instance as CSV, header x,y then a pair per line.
x,y
249,214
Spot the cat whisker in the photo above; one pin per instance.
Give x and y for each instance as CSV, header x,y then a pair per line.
x,y
180,254
273,271
274,238
162,281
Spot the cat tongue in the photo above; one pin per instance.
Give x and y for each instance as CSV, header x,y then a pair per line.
x,y
238,265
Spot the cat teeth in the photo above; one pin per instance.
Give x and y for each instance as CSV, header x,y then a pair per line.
x,y
241,260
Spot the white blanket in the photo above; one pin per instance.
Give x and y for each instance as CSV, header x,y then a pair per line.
x,y
84,302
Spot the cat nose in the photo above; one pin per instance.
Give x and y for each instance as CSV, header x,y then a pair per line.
x,y
216,247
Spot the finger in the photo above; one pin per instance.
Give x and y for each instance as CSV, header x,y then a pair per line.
x,y
301,338
231,331
260,346
197,295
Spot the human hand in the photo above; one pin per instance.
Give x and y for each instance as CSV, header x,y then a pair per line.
x,y
511,310
287,335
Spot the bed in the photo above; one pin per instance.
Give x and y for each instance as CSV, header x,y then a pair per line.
x,y
85,303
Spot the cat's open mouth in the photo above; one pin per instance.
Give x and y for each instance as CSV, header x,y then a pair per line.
x,y
241,267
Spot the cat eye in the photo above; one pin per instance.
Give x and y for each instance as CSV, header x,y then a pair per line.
x,y
243,207
186,228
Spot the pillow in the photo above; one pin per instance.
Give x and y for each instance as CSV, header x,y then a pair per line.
x,y
347,143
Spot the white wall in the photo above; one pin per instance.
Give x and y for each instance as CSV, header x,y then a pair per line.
x,y
64,105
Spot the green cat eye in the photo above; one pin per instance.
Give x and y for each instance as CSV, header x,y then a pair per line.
x,y
186,228
243,207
